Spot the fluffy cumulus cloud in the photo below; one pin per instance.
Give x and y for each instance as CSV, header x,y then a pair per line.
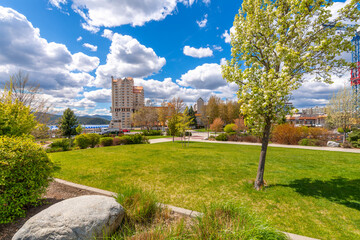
x,y
57,3
227,34
206,76
203,22
83,62
128,57
100,95
313,93
167,89
110,13
107,34
197,52
91,47
48,63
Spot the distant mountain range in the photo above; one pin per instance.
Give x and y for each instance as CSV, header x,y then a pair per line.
x,y
84,120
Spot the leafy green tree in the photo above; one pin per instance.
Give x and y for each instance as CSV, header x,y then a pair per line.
x,y
68,123
173,125
184,124
79,129
341,111
274,44
16,119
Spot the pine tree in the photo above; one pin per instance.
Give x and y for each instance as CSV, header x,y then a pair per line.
x,y
68,123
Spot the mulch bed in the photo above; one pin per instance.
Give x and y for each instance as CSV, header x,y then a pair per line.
x,y
56,192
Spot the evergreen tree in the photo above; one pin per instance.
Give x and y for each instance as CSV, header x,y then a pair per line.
x,y
192,116
68,123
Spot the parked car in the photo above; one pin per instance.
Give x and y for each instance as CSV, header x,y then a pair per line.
x,y
125,130
115,132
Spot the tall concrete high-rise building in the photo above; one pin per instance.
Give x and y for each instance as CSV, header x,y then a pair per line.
x,y
125,100
200,106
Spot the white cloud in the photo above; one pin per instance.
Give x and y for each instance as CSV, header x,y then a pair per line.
x,y
167,89
227,34
110,13
57,3
79,38
197,52
217,48
48,63
83,62
90,28
206,76
317,93
91,47
203,22
223,61
107,34
100,95
207,2
128,58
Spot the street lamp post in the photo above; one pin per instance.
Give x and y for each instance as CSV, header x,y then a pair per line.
x,y
208,117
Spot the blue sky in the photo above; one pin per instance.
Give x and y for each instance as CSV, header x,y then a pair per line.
x,y
171,48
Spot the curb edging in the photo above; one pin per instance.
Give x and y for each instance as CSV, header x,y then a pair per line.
x,y
178,210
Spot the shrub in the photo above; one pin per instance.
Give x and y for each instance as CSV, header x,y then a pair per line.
x,y
311,142
233,138
94,139
249,138
54,149
319,133
152,132
288,134
222,137
230,128
354,138
25,172
106,141
65,144
135,139
82,141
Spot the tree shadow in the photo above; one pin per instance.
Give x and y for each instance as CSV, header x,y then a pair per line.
x,y
339,190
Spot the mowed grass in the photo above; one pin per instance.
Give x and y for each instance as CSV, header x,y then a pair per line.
x,y
309,192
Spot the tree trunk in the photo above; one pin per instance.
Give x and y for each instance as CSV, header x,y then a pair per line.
x,y
173,138
259,182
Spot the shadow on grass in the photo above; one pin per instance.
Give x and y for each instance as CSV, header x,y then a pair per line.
x,y
339,190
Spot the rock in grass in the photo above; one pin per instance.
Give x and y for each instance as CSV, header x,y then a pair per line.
x,y
85,217
333,144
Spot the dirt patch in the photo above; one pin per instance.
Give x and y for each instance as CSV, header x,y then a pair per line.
x,y
56,192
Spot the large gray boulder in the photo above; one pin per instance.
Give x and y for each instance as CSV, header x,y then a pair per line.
x,y
85,217
333,144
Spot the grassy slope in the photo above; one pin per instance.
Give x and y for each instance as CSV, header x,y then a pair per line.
x,y
312,193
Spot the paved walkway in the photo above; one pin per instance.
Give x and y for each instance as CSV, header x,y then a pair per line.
x,y
200,136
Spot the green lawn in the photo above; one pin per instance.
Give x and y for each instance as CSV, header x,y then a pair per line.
x,y
311,193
